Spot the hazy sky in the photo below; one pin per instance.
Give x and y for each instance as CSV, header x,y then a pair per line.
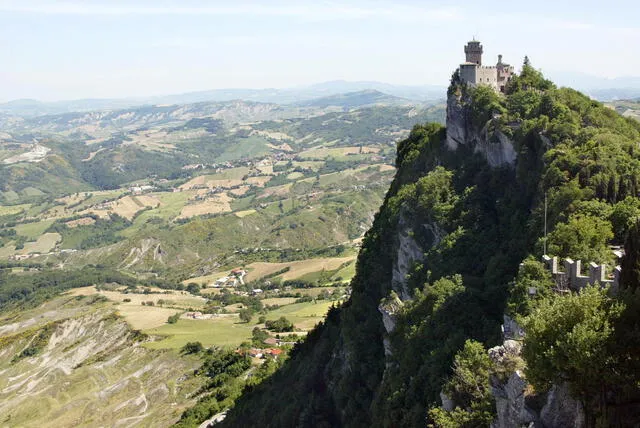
x,y
75,49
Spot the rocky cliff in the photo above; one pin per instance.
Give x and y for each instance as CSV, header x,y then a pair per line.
x,y
490,142
436,268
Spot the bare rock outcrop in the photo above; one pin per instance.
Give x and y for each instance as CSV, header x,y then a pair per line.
x,y
493,145
389,307
562,410
408,252
511,409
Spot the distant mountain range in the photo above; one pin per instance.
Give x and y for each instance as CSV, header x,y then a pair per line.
x,y
356,99
338,92
297,95
602,89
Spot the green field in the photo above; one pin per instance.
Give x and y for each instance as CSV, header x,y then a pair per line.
x,y
346,273
313,165
33,230
242,204
32,191
10,195
337,153
43,244
229,331
230,174
253,146
295,175
13,209
6,251
223,331
303,311
170,205
99,197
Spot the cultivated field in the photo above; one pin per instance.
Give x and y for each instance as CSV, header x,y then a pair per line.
x,y
153,140
244,213
337,153
296,269
227,330
221,331
141,316
215,204
231,176
304,316
126,207
145,317
84,221
13,209
33,230
45,243
280,301
206,279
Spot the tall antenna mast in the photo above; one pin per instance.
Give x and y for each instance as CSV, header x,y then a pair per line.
x,y
545,223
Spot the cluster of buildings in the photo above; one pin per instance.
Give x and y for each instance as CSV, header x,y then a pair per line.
x,y
139,190
21,257
235,277
261,353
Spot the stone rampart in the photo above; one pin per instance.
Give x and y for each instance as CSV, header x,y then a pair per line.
x,y
571,276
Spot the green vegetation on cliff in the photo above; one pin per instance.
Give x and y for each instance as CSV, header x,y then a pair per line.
x,y
449,239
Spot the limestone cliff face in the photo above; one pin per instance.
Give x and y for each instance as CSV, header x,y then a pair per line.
x,y
493,145
559,410
408,251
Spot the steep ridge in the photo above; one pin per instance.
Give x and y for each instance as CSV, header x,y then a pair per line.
x,y
465,209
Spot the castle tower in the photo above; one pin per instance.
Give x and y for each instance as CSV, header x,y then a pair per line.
x,y
473,51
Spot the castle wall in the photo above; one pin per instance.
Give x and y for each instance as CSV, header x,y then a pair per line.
x,y
479,75
573,278
487,76
468,73
504,73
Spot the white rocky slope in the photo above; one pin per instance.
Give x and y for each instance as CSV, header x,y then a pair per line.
x,y
91,370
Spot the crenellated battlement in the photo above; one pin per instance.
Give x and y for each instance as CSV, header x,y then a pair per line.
x,y
572,278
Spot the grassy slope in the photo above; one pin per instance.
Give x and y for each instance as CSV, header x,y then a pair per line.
x,y
228,330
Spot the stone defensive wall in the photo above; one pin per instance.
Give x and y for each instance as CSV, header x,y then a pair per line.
x,y
571,277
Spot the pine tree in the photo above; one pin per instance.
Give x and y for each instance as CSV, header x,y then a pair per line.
x,y
630,276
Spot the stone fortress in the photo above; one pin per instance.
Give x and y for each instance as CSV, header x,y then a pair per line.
x,y
474,73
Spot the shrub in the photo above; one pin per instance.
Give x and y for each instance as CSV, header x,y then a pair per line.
x,y
246,315
192,348
280,325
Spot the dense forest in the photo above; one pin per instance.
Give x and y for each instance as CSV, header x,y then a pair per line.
x,y
474,225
